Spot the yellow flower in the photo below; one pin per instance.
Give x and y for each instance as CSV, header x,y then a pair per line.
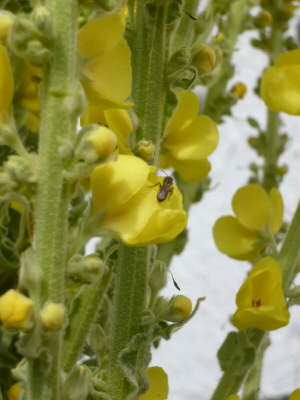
x,y
260,300
189,139
15,309
6,20
106,61
258,214
280,85
117,119
233,397
126,189
6,85
180,310
158,385
14,391
295,395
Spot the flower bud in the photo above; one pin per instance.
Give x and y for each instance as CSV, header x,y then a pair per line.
x,y
219,38
97,143
76,386
263,19
86,268
53,316
21,170
239,89
204,58
15,310
6,20
146,149
180,309
14,392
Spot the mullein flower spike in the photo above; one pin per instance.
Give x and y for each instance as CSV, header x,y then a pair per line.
x,y
158,385
258,214
126,189
260,300
280,85
189,139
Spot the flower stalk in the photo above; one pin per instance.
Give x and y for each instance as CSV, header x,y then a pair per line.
x,y
128,305
58,123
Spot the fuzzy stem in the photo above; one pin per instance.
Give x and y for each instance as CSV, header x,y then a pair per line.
x,y
128,305
150,53
235,19
58,125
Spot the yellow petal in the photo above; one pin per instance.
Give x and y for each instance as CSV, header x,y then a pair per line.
x,y
119,121
144,220
235,240
110,78
14,392
288,58
280,88
158,385
100,35
252,207
191,171
295,395
197,140
187,109
6,84
264,318
115,182
277,210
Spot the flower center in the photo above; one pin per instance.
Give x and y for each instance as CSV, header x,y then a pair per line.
x,y
256,302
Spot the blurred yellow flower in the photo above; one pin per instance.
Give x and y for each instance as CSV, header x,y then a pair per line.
x,y
158,385
6,85
189,139
15,309
106,62
258,214
233,397
126,189
14,391
280,85
295,395
260,300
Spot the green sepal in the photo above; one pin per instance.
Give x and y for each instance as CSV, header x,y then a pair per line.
x,y
77,384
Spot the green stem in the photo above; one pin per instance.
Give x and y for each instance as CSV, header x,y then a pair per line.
x,y
273,120
128,306
290,252
232,30
58,124
252,383
85,315
150,56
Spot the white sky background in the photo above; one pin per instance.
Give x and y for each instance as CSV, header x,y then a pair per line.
x,y
189,357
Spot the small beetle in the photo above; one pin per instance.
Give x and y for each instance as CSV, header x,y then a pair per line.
x,y
166,188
